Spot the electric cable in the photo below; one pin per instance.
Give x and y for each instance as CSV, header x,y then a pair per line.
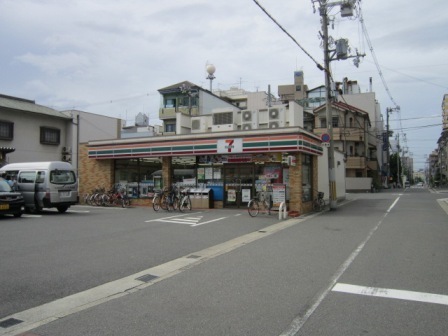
x,y
289,35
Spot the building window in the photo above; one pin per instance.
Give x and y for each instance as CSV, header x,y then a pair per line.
x,y
335,122
223,118
170,127
307,178
170,103
298,88
50,136
323,123
6,130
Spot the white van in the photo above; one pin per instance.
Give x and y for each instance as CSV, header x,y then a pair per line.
x,y
45,184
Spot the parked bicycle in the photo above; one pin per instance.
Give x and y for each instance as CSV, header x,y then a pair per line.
x,y
319,202
116,198
185,201
262,202
166,199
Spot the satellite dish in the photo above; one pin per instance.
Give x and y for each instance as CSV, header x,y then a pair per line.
x,y
210,69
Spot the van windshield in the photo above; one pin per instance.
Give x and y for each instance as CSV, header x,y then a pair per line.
x,y
62,177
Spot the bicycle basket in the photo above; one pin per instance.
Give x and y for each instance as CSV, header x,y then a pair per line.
x,y
320,194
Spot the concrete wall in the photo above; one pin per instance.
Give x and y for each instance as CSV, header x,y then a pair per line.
x,y
358,184
324,179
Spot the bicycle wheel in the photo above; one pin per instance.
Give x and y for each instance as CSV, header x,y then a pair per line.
x,y
105,200
253,208
165,203
267,206
321,204
185,204
156,203
125,202
87,199
316,205
176,203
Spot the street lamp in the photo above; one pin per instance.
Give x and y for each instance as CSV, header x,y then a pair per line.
x,y
210,68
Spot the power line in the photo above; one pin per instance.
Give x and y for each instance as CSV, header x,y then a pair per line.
x,y
366,35
289,35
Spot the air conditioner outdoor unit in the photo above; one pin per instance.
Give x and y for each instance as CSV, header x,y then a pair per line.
x,y
276,117
274,124
66,150
246,127
246,116
67,158
199,125
274,114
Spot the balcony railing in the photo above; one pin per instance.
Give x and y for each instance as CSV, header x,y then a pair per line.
x,y
170,112
355,162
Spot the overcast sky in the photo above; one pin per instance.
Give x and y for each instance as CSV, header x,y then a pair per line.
x,y
110,57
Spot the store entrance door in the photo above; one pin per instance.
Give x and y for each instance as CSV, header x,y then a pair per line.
x,y
238,185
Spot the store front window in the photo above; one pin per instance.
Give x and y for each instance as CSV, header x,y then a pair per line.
x,y
136,176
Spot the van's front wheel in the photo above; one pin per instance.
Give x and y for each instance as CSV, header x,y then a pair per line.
x,y
62,209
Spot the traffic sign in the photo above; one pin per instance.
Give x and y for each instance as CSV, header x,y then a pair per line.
x,y
325,137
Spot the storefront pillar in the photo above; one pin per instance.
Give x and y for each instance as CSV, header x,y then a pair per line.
x,y
295,189
167,176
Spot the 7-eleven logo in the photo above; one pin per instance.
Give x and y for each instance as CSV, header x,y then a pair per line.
x,y
229,145
226,146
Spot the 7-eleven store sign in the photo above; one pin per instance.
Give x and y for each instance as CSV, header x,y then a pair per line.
x,y
227,146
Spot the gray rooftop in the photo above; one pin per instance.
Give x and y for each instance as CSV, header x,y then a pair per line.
x,y
14,103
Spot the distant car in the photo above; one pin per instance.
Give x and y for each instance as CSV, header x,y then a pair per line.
x,y
407,184
11,202
420,184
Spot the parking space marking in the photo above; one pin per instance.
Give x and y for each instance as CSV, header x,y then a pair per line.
x,y
187,219
392,293
210,221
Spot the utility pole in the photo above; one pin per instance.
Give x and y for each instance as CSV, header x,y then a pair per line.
x,y
388,111
398,159
328,101
340,53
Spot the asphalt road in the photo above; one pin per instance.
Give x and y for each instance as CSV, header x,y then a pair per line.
x,y
376,265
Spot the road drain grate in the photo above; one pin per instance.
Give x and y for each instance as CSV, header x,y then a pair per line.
x,y
147,278
193,256
9,322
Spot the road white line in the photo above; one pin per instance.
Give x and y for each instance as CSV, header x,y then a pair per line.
x,y
210,221
52,311
171,217
300,320
444,204
392,293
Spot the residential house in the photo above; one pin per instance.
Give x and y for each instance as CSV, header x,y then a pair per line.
x,y
32,132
